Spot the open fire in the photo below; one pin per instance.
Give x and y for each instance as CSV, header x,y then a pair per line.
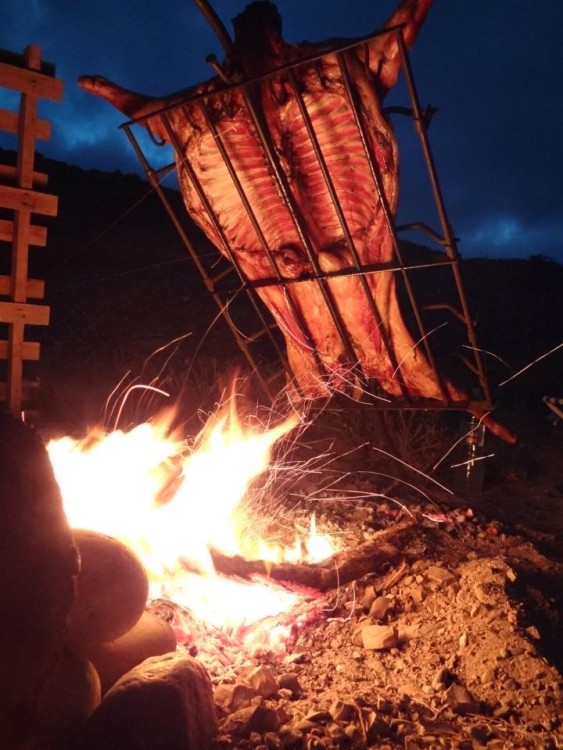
x,y
172,502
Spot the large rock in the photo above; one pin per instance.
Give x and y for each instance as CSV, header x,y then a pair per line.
x,y
70,694
151,636
38,569
166,703
111,593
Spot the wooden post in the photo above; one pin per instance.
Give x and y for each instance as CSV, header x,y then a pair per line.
x,y
21,193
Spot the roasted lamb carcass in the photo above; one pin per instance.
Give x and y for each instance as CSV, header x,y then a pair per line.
x,y
251,177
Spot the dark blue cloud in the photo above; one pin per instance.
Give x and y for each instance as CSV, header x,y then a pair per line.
x,y
493,69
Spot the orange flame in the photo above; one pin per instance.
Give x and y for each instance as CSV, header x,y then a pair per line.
x,y
171,503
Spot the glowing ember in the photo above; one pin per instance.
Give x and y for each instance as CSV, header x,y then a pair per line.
x,y
171,503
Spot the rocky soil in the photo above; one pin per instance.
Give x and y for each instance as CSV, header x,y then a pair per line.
x,y
456,646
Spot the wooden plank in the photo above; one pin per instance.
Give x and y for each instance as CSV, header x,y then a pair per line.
x,y
9,175
14,379
22,312
19,60
29,392
20,256
35,287
9,124
37,235
26,141
28,77
31,200
30,82
30,350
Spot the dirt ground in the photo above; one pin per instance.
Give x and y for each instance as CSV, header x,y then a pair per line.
x,y
457,645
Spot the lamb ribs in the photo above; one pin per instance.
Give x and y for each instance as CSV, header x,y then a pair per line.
x,y
288,162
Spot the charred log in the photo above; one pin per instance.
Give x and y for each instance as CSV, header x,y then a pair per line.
x,y
373,557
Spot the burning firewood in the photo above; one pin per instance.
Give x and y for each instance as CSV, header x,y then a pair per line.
x,y
343,567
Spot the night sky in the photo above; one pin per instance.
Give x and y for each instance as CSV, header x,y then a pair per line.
x,y
493,68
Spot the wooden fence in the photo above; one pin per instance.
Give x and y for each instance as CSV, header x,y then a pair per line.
x,y
22,194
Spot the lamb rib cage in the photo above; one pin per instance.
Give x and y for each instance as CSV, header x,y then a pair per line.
x,y
225,294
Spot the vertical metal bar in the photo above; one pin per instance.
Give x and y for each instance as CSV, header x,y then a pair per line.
x,y
155,184
345,228
287,196
450,243
216,24
259,233
217,226
390,223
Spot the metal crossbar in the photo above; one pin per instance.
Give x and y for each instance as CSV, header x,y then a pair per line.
x,y
225,293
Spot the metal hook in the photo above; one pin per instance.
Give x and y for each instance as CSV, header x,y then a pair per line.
x,y
212,60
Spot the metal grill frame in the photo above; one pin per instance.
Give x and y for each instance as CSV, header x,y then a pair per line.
x,y
445,238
